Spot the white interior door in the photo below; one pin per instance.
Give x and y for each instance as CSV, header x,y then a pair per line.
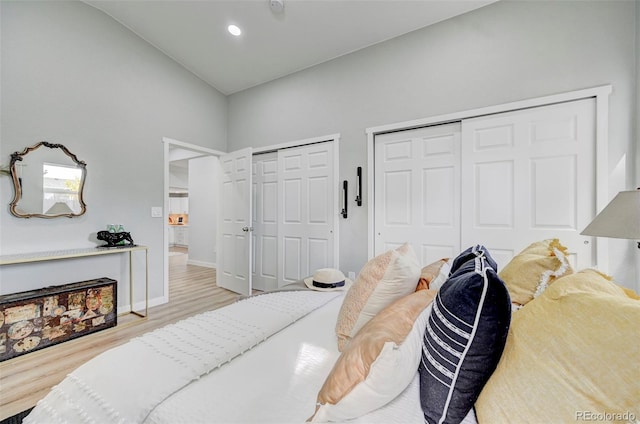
x,y
307,210
234,222
529,175
417,191
265,221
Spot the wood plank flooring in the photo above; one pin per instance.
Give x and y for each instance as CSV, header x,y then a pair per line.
x,y
26,379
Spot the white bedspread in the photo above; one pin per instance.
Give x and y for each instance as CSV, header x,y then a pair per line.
x,y
278,382
213,369
125,384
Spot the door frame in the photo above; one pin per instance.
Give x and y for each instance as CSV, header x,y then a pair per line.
x,y
601,95
167,144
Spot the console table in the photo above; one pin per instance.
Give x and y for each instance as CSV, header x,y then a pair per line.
x,y
54,255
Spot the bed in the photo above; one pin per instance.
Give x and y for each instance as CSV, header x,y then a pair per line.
x,y
544,343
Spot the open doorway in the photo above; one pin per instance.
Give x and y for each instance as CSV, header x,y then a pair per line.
x,y
178,211
190,205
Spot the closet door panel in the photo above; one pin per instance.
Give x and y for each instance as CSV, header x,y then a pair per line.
x,y
318,213
437,203
528,175
398,198
417,191
265,221
560,173
493,195
307,210
292,258
318,253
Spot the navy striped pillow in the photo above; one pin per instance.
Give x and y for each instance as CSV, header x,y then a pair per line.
x,y
464,337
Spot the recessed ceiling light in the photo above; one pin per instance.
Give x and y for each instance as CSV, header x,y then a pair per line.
x,y
277,6
234,30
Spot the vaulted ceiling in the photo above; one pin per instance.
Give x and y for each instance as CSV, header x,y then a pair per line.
x,y
272,44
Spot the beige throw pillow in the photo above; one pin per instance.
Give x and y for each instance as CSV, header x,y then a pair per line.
x,y
530,272
384,279
378,363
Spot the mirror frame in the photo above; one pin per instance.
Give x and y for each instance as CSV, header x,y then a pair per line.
x,y
17,186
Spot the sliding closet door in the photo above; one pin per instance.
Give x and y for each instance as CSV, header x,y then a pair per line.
x,y
529,175
265,221
417,191
307,210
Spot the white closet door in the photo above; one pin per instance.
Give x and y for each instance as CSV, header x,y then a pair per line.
x,y
265,221
529,175
234,223
417,191
307,210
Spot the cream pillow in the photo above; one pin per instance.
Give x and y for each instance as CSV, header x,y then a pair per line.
x,y
384,279
378,363
570,352
529,273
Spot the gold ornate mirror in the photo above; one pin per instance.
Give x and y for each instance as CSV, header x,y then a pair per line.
x,y
48,181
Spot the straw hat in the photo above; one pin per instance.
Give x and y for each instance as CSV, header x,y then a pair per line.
x,y
328,279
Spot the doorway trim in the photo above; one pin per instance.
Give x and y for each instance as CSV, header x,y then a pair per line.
x,y
601,95
167,144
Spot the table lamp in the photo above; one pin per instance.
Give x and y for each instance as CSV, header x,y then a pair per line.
x,y
619,219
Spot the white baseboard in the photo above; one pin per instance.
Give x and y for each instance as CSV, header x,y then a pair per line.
x,y
202,263
139,306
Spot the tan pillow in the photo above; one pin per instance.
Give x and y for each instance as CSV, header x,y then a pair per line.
x,y
378,363
530,272
572,351
430,272
384,279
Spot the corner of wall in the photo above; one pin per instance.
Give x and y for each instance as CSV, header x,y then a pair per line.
x,y
635,149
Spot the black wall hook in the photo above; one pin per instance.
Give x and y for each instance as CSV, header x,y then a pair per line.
x,y
359,187
345,190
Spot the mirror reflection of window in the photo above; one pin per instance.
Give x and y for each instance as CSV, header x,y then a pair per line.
x,y
61,184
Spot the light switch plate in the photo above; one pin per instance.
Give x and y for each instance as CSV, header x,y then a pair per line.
x,y
156,212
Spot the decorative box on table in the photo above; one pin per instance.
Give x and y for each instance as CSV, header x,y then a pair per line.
x,y
40,318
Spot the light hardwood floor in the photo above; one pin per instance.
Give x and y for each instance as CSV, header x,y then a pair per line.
x,y
26,379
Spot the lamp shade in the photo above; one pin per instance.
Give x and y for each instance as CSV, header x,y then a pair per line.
x,y
619,219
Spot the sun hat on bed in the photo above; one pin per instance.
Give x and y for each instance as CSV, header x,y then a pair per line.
x,y
328,279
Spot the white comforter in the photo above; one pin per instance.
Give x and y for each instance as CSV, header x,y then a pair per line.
x,y
213,368
124,384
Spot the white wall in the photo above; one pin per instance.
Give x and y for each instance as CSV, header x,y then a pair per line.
x,y
73,75
203,204
507,51
636,146
178,178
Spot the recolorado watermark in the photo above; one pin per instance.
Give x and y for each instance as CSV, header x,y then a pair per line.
x,y
629,417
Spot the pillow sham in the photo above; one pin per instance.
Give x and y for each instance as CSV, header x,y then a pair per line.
x,y
464,337
429,273
378,363
530,272
384,279
472,253
570,352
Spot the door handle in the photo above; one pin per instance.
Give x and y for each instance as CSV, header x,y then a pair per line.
x,y
247,229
